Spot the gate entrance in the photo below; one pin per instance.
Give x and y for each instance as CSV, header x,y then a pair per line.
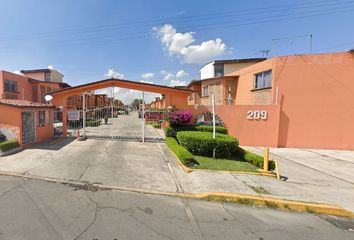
x,y
101,115
28,127
116,123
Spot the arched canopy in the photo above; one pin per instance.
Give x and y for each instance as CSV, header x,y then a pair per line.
x,y
112,82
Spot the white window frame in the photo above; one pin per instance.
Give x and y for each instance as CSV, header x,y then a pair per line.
x,y
255,85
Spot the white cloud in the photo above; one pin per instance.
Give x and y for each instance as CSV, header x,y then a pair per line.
x,y
178,83
111,73
168,76
147,75
179,44
50,67
173,41
144,81
204,52
108,91
128,95
181,74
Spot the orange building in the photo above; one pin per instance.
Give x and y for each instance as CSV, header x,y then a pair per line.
x,y
24,113
301,101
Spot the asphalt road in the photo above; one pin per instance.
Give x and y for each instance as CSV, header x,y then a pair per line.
x,y
33,209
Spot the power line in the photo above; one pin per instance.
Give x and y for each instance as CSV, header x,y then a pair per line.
x,y
224,14
202,27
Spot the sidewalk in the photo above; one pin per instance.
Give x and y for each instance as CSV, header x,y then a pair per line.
x,y
311,176
303,183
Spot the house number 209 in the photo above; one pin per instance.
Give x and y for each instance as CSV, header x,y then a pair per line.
x,y
257,114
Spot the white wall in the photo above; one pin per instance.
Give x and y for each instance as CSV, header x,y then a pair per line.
x,y
207,71
56,76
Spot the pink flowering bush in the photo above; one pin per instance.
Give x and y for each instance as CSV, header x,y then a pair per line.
x,y
180,117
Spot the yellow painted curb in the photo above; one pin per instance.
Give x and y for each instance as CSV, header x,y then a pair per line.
x,y
252,200
271,202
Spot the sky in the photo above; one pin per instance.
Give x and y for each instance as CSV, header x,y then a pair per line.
x,y
161,41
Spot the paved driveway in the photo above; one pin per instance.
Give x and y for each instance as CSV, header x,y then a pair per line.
x,y
118,163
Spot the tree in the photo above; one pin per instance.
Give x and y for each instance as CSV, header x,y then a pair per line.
x,y
136,103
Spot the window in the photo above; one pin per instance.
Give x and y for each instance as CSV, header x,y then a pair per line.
x,y
34,93
263,79
41,118
218,70
10,86
205,91
47,77
42,94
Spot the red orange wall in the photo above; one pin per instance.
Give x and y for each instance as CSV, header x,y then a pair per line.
x,y
317,93
315,100
10,117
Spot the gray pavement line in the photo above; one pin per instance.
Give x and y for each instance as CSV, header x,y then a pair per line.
x,y
185,202
173,175
324,155
287,159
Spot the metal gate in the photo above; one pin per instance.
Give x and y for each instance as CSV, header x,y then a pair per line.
x,y
115,123
28,127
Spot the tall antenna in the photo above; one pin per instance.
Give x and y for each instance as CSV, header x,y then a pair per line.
x,y
265,52
274,40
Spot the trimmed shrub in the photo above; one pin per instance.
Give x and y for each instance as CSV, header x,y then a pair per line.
x,y
171,131
2,137
5,146
253,158
183,155
93,123
202,143
208,128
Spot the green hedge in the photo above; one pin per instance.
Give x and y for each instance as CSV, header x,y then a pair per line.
x,y
171,131
93,123
202,143
208,128
253,158
184,156
5,146
2,137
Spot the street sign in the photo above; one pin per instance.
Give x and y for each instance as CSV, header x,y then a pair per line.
x,y
73,115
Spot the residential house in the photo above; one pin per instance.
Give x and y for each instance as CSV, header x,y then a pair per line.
x,y
286,101
24,113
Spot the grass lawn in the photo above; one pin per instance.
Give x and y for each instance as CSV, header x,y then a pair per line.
x,y
229,164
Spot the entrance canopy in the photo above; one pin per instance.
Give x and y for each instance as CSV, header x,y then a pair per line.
x,y
60,96
173,96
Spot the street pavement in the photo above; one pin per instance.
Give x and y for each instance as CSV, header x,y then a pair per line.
x,y
34,209
152,166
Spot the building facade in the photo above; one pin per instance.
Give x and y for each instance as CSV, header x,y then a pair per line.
x,y
25,115
220,68
287,101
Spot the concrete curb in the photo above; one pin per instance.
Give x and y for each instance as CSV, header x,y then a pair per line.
x,y
253,200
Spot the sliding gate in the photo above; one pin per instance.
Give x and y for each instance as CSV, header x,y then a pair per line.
x,y
115,123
